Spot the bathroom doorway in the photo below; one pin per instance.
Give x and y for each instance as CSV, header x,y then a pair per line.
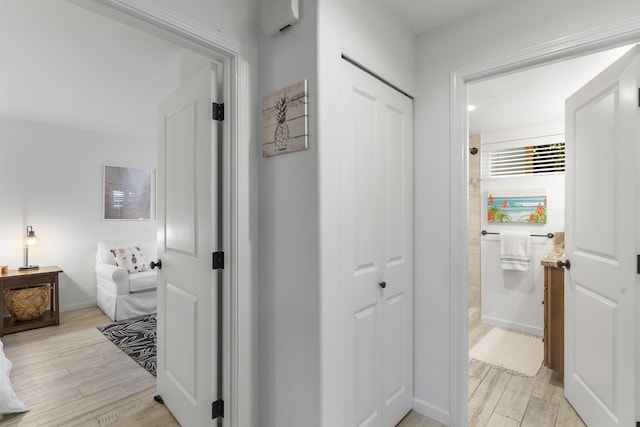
x,y
519,116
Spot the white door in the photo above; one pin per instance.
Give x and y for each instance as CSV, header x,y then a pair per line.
x,y
377,250
601,137
187,199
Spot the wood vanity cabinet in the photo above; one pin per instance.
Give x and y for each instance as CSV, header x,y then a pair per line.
x,y
554,318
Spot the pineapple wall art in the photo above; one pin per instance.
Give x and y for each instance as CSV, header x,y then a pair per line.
x,y
285,120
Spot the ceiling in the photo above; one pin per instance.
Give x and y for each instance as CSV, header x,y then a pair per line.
x,y
422,15
533,97
68,66
521,100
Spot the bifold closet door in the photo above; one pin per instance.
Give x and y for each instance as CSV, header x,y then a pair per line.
x,y
377,249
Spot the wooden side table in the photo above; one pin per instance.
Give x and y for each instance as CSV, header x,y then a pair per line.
x,y
18,279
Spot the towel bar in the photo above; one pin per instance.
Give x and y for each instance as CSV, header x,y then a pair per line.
x,y
549,235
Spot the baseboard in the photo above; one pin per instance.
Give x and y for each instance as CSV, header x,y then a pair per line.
x,y
505,324
432,411
78,306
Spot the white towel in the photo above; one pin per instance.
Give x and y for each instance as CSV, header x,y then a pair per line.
x,y
514,250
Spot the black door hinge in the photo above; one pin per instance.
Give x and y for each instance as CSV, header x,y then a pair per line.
x,y
218,260
218,112
217,409
638,264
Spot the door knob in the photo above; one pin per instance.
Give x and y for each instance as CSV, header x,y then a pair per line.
x,y
383,285
154,264
566,264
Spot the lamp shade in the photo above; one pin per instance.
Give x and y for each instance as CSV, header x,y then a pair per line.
x,y
31,239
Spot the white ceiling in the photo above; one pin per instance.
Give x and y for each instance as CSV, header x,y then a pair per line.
x,y
533,97
521,100
422,15
64,65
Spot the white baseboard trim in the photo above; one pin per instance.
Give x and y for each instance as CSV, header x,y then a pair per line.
x,y
78,306
432,411
506,324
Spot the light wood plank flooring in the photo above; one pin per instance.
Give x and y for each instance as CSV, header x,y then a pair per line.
x,y
71,375
498,398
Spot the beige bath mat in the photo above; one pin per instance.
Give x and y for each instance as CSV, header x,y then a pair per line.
x,y
515,352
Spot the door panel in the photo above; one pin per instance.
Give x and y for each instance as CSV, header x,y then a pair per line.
x,y
594,346
187,201
180,336
393,353
376,235
367,408
362,260
395,191
595,130
181,209
601,138
365,183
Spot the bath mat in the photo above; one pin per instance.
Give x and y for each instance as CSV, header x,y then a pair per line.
x,y
516,352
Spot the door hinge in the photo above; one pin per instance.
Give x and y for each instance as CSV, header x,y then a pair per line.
x,y
638,264
218,112
218,260
217,409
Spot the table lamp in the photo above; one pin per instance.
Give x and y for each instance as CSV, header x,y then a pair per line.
x,y
30,240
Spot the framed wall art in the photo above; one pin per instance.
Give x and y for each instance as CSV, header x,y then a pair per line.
x,y
285,127
127,193
522,206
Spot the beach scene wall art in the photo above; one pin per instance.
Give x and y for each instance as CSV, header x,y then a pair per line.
x,y
521,206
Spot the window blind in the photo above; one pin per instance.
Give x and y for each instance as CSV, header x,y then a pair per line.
x,y
528,160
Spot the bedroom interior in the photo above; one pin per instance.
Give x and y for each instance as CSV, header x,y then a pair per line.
x,y
77,143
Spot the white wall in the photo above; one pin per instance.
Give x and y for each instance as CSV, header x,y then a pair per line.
x,y
52,180
512,299
503,28
236,18
369,33
289,323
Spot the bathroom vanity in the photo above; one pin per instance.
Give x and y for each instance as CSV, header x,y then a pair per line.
x,y
554,318
554,307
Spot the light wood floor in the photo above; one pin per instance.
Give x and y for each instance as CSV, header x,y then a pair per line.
x,y
498,398
71,375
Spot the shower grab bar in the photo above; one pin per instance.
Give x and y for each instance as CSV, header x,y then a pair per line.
x,y
549,235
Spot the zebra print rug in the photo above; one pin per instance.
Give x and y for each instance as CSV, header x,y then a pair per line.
x,y
136,337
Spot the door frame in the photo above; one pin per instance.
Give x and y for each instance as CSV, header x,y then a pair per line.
x,y
606,37
238,329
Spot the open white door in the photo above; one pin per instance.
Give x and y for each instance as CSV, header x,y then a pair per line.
x,y
601,138
187,214
377,250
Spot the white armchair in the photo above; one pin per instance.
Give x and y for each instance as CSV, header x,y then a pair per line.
x,y
121,294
